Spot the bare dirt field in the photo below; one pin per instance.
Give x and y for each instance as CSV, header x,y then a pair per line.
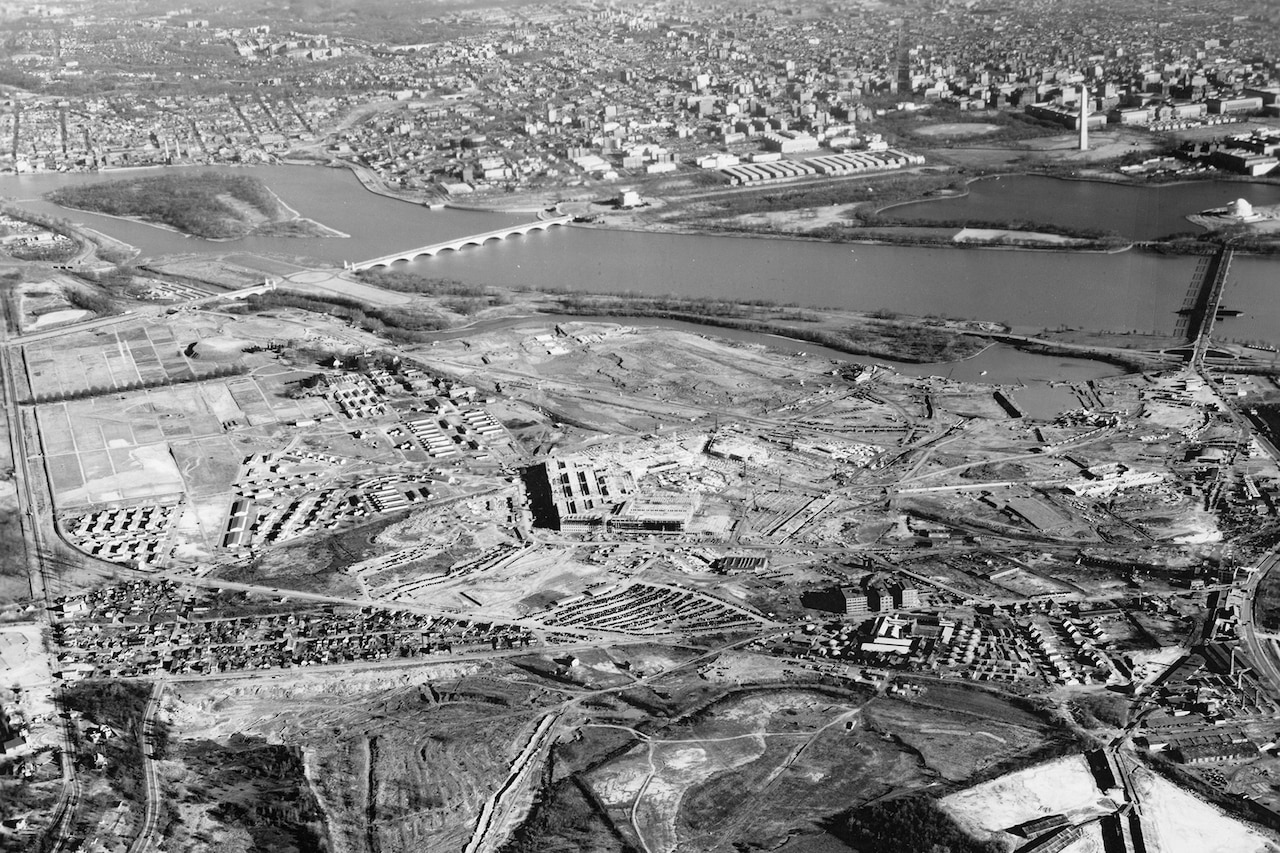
x,y
999,235
368,762
957,129
333,284
799,220
1175,821
1063,786
751,766
1103,145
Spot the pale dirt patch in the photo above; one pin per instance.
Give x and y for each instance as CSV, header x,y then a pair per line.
x,y
990,235
54,318
151,473
331,283
685,758
213,346
1174,821
957,129
1064,786
24,668
737,666
800,219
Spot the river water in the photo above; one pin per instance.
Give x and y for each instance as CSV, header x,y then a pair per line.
x,y
1138,213
1028,290
378,225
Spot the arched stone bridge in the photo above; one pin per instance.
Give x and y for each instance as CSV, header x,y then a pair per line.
x,y
473,240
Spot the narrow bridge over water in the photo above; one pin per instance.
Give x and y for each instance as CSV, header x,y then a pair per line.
x,y
455,245
1203,305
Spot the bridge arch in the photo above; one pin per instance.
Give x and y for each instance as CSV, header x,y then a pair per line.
x,y
473,240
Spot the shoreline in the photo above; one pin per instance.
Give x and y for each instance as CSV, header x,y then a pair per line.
x,y
294,216
375,185
1118,181
1129,361
693,231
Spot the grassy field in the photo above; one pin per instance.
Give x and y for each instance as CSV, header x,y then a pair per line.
x,y
977,703
753,767
13,549
956,746
13,546
313,565
126,356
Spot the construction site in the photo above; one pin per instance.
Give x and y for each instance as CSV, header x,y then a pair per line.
x,y
621,587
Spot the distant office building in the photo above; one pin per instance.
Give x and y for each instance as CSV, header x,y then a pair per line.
x,y
1214,752
1243,162
655,513
1065,116
1269,95
573,494
790,141
1235,104
858,600
906,595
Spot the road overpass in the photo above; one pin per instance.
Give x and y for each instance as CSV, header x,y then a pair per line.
x,y
456,244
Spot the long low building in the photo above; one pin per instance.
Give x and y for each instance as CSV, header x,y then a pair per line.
x,y
1212,752
758,172
655,513
1114,483
1068,117
844,163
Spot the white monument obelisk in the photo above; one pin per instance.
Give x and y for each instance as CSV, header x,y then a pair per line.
x,y
1084,117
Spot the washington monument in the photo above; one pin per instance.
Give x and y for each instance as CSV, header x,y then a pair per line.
x,y
1084,118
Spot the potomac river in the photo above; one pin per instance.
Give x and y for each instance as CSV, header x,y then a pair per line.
x,y
1029,290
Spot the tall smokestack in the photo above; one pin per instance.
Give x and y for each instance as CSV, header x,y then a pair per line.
x,y
1084,117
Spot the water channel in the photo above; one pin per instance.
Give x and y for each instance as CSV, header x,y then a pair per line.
x,y
1028,290
1138,213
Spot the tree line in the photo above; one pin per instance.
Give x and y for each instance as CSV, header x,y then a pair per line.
x,y
193,204
401,325
220,372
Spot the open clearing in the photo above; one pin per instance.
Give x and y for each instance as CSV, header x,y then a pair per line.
x,y
992,235
1064,786
1174,821
801,219
395,761
957,129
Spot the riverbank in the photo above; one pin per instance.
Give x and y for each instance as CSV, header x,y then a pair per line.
x,y
995,243
211,205
1109,179
1083,205
377,186
685,214
877,335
